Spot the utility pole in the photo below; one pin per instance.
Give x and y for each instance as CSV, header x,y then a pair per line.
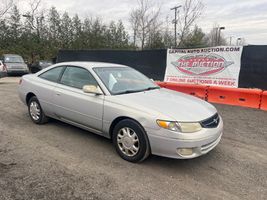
x,y
175,23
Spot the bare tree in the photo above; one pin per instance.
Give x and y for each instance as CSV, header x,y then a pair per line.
x,y
144,20
5,6
35,24
134,21
187,16
214,38
168,36
32,15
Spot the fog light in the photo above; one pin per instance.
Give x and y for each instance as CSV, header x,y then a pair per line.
x,y
185,152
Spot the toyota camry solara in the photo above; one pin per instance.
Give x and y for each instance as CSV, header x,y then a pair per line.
x,y
122,104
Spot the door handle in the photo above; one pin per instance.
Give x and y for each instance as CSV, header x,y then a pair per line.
x,y
58,94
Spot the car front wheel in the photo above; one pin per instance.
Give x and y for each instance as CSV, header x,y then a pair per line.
x,y
130,141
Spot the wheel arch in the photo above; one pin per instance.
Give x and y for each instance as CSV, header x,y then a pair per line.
x,y
118,119
29,96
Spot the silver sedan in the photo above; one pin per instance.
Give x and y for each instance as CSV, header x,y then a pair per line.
x,y
122,104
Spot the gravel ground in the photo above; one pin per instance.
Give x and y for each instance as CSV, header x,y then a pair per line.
x,y
59,161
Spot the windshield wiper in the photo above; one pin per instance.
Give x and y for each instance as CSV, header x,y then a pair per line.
x,y
152,88
129,91
133,91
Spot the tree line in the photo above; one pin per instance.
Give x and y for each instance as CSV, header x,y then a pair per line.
x,y
38,34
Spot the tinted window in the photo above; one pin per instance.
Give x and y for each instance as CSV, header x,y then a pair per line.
x,y
52,74
77,77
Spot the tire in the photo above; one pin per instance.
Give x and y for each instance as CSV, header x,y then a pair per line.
x,y
35,111
130,141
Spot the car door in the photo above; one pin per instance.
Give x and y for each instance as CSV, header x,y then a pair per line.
x,y
71,104
44,88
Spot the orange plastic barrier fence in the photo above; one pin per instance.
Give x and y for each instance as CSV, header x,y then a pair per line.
x,y
161,84
199,91
235,96
264,101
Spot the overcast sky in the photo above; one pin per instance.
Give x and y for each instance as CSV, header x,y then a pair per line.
x,y
242,18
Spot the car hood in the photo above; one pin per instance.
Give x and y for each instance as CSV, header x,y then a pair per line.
x,y
173,105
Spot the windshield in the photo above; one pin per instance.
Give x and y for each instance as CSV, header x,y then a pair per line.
x,y
121,80
14,59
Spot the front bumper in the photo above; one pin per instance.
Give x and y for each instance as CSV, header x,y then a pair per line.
x,y
169,147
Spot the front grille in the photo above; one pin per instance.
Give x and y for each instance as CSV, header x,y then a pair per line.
x,y
211,122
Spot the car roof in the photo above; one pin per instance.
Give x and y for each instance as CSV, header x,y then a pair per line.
x,y
87,64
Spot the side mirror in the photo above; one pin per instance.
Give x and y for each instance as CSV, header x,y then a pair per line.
x,y
92,89
152,80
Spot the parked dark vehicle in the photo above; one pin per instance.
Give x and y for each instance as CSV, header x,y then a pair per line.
x,y
14,64
39,65
3,70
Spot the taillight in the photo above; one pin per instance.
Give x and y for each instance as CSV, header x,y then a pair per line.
x,y
20,81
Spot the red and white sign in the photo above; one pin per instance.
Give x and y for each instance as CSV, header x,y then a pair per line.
x,y
219,66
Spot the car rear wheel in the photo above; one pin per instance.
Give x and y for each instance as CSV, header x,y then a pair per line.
x,y
130,141
35,111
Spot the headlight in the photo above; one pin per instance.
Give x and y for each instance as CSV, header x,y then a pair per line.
x,y
184,127
189,127
173,126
